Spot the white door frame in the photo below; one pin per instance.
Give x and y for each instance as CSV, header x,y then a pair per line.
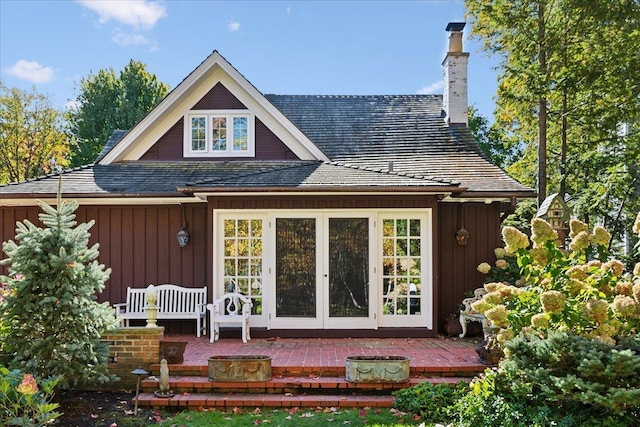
x,y
376,316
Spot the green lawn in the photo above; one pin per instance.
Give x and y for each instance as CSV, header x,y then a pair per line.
x,y
292,417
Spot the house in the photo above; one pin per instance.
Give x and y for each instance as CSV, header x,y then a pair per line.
x,y
338,215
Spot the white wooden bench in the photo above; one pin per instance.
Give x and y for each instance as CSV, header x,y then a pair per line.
x,y
468,314
230,308
174,303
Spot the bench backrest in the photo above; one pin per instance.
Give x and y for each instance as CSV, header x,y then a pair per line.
x,y
136,300
176,299
171,299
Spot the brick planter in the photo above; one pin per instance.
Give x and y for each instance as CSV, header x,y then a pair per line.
x,y
129,349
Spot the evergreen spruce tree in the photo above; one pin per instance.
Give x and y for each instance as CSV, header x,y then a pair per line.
x,y
53,321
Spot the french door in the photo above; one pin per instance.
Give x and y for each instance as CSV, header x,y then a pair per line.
x,y
323,271
329,269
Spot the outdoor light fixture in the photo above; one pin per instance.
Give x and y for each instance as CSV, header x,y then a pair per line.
x,y
462,236
138,373
183,237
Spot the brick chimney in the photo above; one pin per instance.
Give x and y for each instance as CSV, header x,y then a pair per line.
x,y
455,63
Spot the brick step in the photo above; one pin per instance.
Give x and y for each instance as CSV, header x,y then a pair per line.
x,y
199,401
283,385
329,371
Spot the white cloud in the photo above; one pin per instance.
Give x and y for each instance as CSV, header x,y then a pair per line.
x,y
124,39
31,71
289,10
136,13
233,26
432,88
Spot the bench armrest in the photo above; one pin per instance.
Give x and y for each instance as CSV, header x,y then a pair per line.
x,y
119,307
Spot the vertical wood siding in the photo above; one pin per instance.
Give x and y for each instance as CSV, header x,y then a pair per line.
x,y
139,242
458,264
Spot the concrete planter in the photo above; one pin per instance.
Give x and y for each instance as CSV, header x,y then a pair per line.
x,y
240,368
374,369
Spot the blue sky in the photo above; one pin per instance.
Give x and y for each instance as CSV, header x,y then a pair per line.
x,y
284,47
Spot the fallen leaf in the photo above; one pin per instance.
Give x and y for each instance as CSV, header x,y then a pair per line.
x,y
257,422
416,417
307,415
362,413
94,416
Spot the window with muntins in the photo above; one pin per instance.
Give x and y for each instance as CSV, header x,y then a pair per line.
x,y
219,134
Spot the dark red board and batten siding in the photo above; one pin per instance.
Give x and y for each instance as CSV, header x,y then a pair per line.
x,y
138,242
268,145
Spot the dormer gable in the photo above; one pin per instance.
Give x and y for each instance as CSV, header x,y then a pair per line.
x,y
244,110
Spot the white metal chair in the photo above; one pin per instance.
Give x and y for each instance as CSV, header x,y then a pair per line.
x,y
230,308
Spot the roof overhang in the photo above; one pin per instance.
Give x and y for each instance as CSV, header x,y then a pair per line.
x,y
128,200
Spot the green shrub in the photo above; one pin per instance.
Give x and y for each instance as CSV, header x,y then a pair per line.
x,y
24,401
431,401
573,371
489,403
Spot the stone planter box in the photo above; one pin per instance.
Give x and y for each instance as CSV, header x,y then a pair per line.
x,y
240,368
375,369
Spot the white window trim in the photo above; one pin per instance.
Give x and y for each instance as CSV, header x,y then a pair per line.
x,y
209,115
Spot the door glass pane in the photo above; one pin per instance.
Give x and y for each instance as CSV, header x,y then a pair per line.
x,y
243,259
296,267
401,268
348,267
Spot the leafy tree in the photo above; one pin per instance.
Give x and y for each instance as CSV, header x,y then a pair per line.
x,y
53,322
493,143
109,102
31,135
575,61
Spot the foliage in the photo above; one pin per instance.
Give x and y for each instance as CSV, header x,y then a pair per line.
x,y
505,270
521,217
53,321
108,102
490,403
579,60
573,371
24,401
587,374
433,402
491,141
31,135
577,291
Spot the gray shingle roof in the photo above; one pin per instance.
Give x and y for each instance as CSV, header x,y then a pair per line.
x,y
371,131
360,134
160,178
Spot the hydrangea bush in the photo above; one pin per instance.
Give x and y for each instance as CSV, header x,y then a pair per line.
x,y
544,287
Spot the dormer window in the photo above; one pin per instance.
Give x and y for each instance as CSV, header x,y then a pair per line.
x,y
218,133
